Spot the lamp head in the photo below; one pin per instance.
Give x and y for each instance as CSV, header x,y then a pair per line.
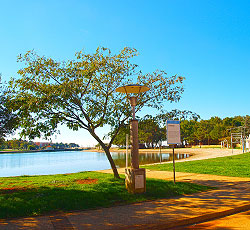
x,y
135,89
132,89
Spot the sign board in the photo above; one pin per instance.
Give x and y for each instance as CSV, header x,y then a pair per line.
x,y
139,181
173,132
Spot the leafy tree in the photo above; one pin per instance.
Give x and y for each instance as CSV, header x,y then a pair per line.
x,y
81,93
176,114
8,120
120,138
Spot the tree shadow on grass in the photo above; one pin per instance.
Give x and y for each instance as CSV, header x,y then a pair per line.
x,y
41,200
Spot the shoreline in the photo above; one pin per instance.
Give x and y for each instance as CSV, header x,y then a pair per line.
x,y
34,151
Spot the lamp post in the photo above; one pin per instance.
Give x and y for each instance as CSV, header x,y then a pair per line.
x,y
135,177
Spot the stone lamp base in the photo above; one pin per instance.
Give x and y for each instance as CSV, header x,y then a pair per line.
x,y
135,180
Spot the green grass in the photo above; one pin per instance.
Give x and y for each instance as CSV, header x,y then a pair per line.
x,y
35,195
235,166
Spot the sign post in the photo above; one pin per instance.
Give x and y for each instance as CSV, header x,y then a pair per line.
x,y
160,143
126,151
173,137
173,164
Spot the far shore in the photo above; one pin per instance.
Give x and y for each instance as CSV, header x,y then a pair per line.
x,y
41,150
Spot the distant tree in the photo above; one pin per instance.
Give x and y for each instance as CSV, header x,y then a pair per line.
x,y
150,132
199,133
14,143
247,124
24,145
73,145
217,129
188,128
98,146
207,128
31,147
238,121
210,131
81,93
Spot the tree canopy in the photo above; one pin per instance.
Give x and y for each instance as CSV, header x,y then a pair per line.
x,y
8,120
213,130
81,93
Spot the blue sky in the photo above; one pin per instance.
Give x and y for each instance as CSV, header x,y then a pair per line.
x,y
208,42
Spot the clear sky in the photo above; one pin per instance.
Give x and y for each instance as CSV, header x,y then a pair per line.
x,y
208,42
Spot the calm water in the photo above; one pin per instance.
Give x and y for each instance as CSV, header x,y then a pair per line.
x,y
43,163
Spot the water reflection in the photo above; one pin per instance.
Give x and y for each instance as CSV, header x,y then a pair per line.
x,y
146,158
43,163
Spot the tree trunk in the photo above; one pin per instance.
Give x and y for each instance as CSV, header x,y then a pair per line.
x,y
112,163
106,150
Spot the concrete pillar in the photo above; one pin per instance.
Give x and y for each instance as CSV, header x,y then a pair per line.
x,y
134,144
135,178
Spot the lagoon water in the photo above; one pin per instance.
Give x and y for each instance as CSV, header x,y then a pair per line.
x,y
43,163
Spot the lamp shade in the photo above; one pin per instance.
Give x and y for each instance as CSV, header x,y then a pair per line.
x,y
132,89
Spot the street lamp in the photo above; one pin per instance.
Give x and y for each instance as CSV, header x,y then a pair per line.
x,y
135,177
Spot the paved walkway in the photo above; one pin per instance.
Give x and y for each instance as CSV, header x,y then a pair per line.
x,y
237,221
232,196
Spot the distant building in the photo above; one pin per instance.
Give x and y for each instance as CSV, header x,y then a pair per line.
x,y
42,144
49,147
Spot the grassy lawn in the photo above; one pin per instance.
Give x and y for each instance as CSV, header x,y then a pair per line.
x,y
35,195
235,166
